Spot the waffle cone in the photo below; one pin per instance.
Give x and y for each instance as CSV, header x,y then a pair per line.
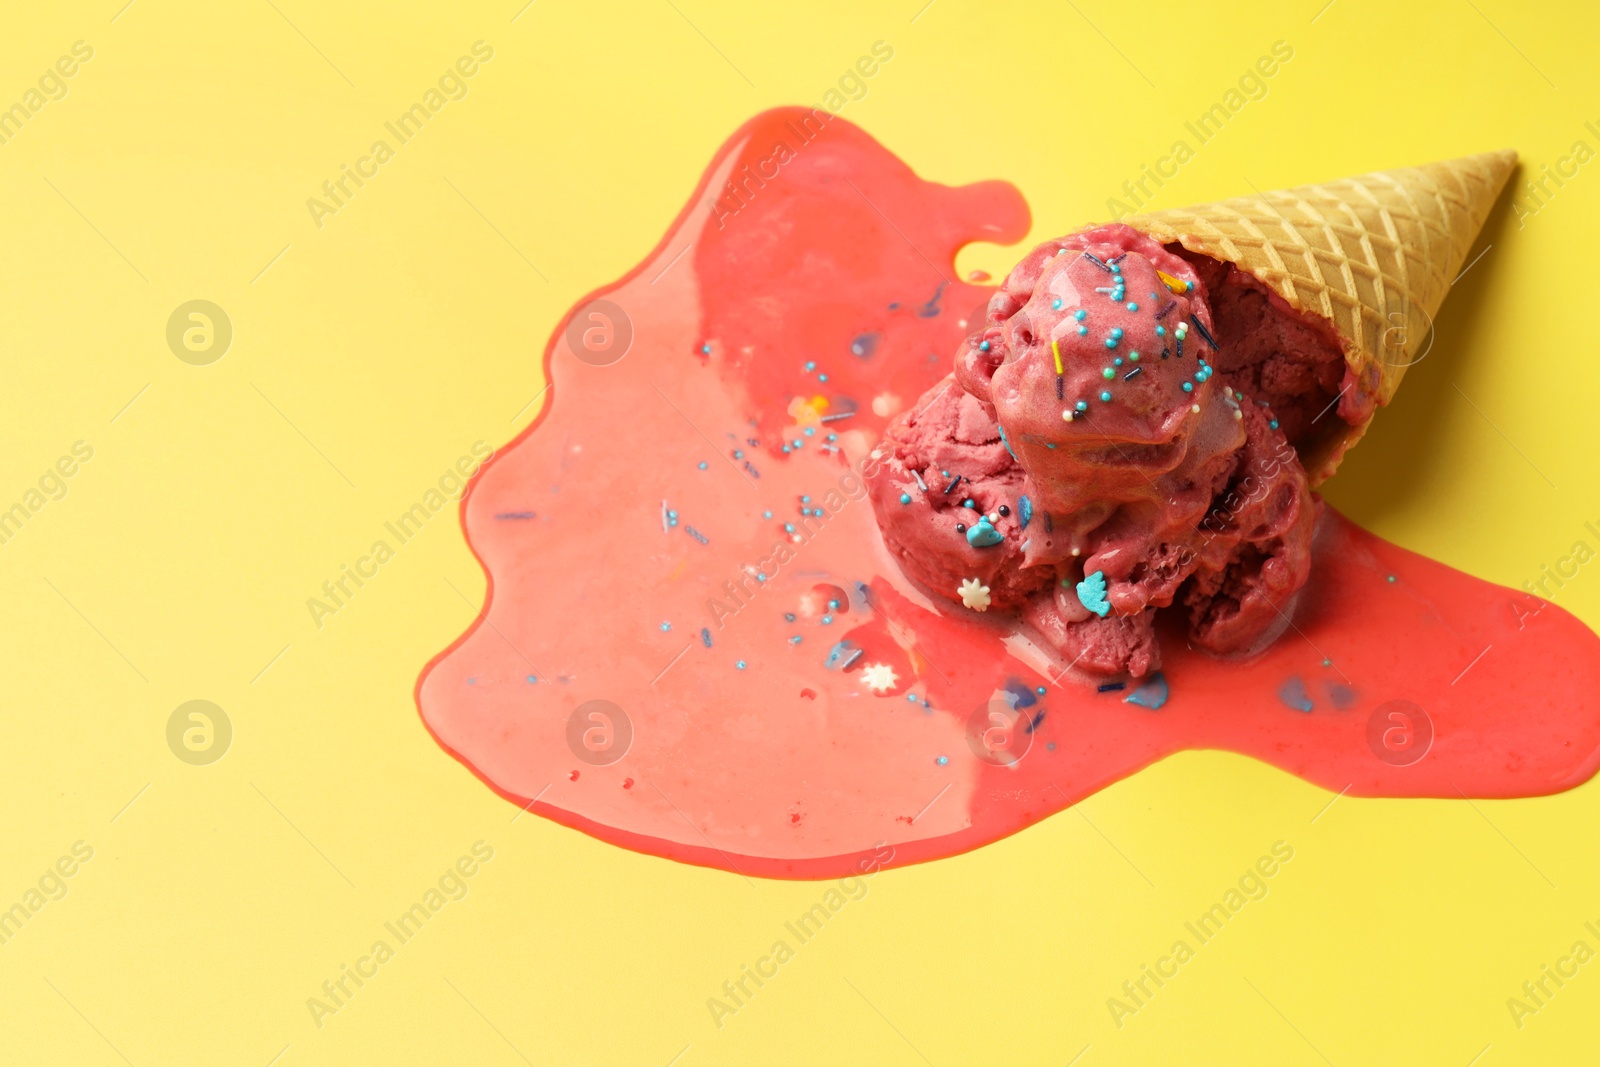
x,y
1373,255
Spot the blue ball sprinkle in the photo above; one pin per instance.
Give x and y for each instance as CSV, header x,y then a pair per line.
x,y
705,349
787,450
665,627
942,760
1116,268
1273,425
1079,314
703,464
1188,387
1106,397
905,498
1161,331
533,679
788,527
788,616
1082,405
1116,331
1111,342
811,431
805,500
766,514
811,364
833,437
1133,307
983,346
911,697
795,640
827,620
822,377
740,664
1056,304
1117,361
1082,330
1040,690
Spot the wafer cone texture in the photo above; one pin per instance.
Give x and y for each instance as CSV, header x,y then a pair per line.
x,y
1373,255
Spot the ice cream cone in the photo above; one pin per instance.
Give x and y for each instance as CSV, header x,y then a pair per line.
x,y
1374,255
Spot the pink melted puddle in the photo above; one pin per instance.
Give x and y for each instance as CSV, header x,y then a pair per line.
x,y
624,533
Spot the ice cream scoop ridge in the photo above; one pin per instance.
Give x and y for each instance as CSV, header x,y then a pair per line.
x,y
1131,426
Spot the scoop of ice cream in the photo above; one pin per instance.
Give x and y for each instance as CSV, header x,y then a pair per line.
x,y
1089,464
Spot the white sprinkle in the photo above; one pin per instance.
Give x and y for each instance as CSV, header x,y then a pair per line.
x,y
1076,551
1195,408
1238,414
1066,416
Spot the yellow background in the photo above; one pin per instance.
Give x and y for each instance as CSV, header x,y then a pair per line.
x,y
378,348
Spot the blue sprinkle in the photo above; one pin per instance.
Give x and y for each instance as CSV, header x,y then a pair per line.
x,y
1018,694
822,377
1005,442
1079,314
1082,405
911,697
766,514
1152,693
795,640
1040,690
760,577
1083,331
739,664
1092,594
1161,331
1116,331
666,626
827,620
833,437
810,431
942,760
983,535
864,345
842,655
1273,425
1115,269
738,454
788,527
1025,511
1106,397
1111,342
905,498
968,504
1293,695
1117,361
983,346
805,500
1188,387
811,364
787,449
705,636
1133,307
788,616
533,679
1056,304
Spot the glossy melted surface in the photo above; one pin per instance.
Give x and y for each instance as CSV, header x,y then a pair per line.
x,y
664,666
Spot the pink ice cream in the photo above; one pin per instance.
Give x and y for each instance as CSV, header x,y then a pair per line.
x,y
1104,450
